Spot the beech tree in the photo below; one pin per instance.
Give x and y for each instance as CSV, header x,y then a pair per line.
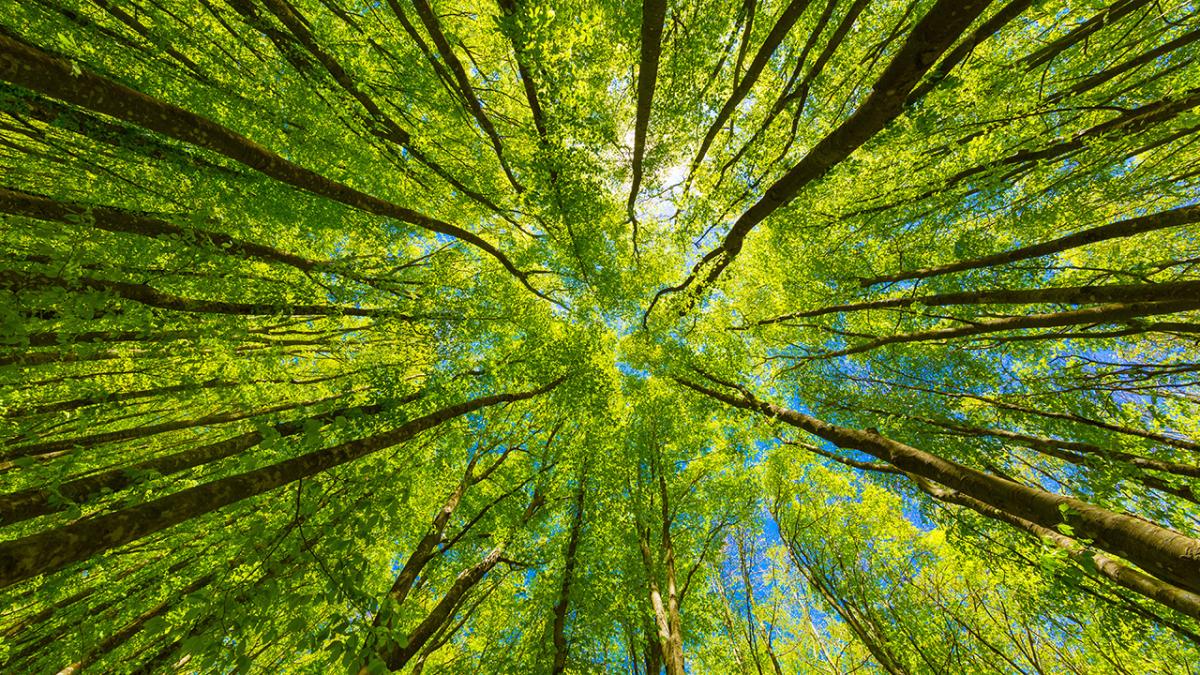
x,y
750,336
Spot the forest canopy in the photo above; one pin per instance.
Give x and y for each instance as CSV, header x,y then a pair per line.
x,y
687,336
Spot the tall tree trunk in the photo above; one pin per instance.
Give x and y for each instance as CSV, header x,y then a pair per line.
x,y
469,95
858,619
394,655
1070,295
933,34
1163,552
787,18
424,551
53,550
26,504
654,13
667,617
126,222
147,295
558,633
1122,228
34,69
129,630
1157,590
92,440
1098,314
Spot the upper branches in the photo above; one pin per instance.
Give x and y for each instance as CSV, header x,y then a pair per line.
x,y
936,31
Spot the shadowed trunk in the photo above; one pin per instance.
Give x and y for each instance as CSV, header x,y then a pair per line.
x,y
1163,552
53,550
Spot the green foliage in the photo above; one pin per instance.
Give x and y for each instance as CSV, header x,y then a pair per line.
x,y
174,316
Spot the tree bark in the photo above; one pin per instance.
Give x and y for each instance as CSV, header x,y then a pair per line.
x,y
936,31
395,656
1123,228
25,504
960,52
151,297
558,633
1114,12
424,551
787,18
52,550
133,627
1109,313
1163,552
654,14
34,69
1157,590
469,96
92,440
126,222
1067,295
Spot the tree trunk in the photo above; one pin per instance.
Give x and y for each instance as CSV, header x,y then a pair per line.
x,y
1163,552
1117,230
558,634
25,504
34,69
654,13
53,550
933,34
1159,591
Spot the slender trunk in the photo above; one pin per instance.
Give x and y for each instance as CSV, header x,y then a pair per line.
x,y
1114,12
285,43
118,397
469,96
25,504
1163,552
1122,228
662,623
29,67
391,131
857,619
673,651
751,619
960,52
787,19
396,656
129,630
558,633
1069,295
1069,417
666,608
933,34
448,630
654,14
53,339
112,219
151,297
424,551
509,7
1083,454
93,440
1117,70
1110,313
66,118
1157,590
52,550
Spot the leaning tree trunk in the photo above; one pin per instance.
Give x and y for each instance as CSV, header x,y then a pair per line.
x,y
1165,553
53,550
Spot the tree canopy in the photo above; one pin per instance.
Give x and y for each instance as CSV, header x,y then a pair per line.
x,y
687,336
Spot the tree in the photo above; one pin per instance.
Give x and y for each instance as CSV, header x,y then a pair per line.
x,y
757,336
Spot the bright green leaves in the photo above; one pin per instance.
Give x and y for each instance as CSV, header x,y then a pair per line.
x,y
792,560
